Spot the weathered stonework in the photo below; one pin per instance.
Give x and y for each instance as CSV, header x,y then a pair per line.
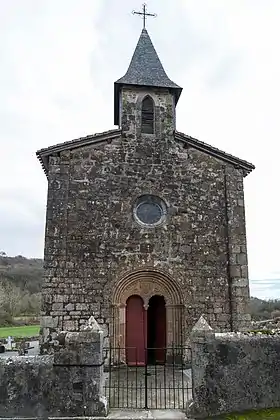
x,y
67,384
93,240
233,372
97,254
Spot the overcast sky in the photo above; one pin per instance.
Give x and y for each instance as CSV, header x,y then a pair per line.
x,y
60,58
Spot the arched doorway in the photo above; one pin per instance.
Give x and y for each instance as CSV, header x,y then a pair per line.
x,y
156,330
147,327
145,284
135,331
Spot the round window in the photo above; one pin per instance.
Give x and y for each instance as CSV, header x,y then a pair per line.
x,y
149,210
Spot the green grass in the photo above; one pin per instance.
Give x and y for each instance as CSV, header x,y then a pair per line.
x,y
22,331
271,413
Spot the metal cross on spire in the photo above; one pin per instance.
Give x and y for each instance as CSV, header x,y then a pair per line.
x,y
144,14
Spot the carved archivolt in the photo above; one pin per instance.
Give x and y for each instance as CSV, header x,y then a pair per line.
x,y
147,284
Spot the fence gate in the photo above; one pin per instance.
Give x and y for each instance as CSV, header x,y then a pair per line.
x,y
163,381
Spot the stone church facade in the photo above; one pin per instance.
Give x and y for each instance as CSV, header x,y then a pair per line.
x,y
145,226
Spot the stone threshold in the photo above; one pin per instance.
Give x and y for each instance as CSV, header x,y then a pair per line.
x,y
117,414
147,414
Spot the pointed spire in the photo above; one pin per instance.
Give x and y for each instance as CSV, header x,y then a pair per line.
x,y
145,69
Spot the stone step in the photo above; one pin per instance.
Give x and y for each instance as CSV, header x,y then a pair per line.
x,y
120,414
147,414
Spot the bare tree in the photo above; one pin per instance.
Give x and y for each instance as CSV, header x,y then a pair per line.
x,y
2,296
10,299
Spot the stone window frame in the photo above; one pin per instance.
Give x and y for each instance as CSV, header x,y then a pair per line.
x,y
153,199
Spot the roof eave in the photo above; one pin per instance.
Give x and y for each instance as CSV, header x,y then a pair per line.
x,y
43,154
247,167
44,160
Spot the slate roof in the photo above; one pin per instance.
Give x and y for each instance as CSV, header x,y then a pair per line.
x,y
145,69
43,154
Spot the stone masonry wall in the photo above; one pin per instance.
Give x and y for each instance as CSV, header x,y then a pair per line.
x,y
92,239
66,384
25,386
234,372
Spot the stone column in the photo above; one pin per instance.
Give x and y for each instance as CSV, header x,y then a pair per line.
x,y
146,307
117,333
170,326
122,332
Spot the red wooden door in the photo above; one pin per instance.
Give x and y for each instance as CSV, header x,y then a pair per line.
x,y
156,329
160,330
135,331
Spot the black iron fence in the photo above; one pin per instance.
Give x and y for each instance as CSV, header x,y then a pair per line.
x,y
159,381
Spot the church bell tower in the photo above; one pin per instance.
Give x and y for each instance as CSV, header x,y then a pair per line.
x,y
145,98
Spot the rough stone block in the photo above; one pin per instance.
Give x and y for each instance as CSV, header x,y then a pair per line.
x,y
235,271
81,306
49,322
57,306
71,325
242,259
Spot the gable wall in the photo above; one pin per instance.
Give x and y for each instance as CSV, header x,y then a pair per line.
x,y
92,239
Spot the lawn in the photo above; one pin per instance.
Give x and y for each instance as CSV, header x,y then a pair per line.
x,y
272,413
22,331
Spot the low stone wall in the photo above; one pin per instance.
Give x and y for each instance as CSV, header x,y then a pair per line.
x,y
233,372
268,325
26,386
67,383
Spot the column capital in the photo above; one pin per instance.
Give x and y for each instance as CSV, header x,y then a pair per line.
x,y
119,305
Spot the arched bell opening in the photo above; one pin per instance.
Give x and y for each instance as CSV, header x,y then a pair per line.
x,y
147,115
